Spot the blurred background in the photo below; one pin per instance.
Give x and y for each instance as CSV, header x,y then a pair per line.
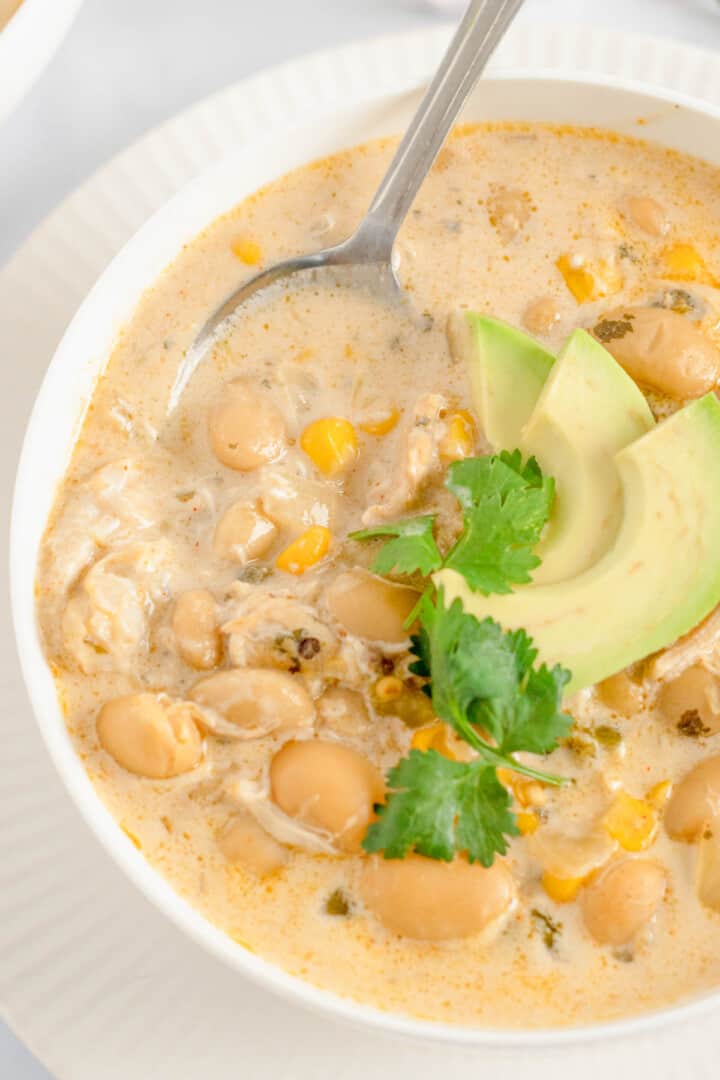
x,y
127,66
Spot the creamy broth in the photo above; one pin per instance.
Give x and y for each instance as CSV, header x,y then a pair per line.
x,y
543,227
7,10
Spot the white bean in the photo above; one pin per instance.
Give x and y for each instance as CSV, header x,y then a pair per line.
x,y
437,901
151,735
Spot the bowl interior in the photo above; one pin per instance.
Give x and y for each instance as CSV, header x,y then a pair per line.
x,y
80,358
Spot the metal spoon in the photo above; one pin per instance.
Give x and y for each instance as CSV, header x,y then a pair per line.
x,y
367,255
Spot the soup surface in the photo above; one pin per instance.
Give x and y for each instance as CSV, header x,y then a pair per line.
x,y
238,683
7,10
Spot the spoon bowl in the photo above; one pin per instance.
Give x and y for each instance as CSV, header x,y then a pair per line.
x,y
366,259
332,267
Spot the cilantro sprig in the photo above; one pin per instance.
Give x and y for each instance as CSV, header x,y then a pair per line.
x,y
483,683
505,504
482,676
438,806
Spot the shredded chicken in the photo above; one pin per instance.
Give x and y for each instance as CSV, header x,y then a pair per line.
x,y
113,505
277,631
120,489
508,210
299,387
212,721
572,856
270,629
696,645
290,494
105,624
255,797
420,460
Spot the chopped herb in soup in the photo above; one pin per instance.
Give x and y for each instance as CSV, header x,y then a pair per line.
x,y
395,647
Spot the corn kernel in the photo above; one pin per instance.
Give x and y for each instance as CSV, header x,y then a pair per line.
x,y
248,252
309,548
411,706
530,792
527,823
527,792
659,794
388,688
383,426
562,890
632,822
683,262
424,737
331,443
433,737
459,440
505,776
589,283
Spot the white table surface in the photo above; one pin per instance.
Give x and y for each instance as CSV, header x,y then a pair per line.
x,y
126,67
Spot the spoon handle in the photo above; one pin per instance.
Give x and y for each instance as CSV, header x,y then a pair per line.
x,y
477,37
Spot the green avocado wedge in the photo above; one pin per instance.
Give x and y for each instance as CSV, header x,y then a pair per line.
x,y
588,410
660,577
507,372
573,414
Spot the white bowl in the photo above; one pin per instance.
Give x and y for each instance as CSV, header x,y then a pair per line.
x,y
677,122
27,44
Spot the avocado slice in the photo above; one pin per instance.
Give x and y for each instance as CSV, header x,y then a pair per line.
x,y
507,371
660,577
588,410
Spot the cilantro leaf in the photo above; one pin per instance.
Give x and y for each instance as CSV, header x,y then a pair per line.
x,y
530,471
505,503
484,684
438,807
473,479
505,507
536,724
484,676
413,549
467,660
420,648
